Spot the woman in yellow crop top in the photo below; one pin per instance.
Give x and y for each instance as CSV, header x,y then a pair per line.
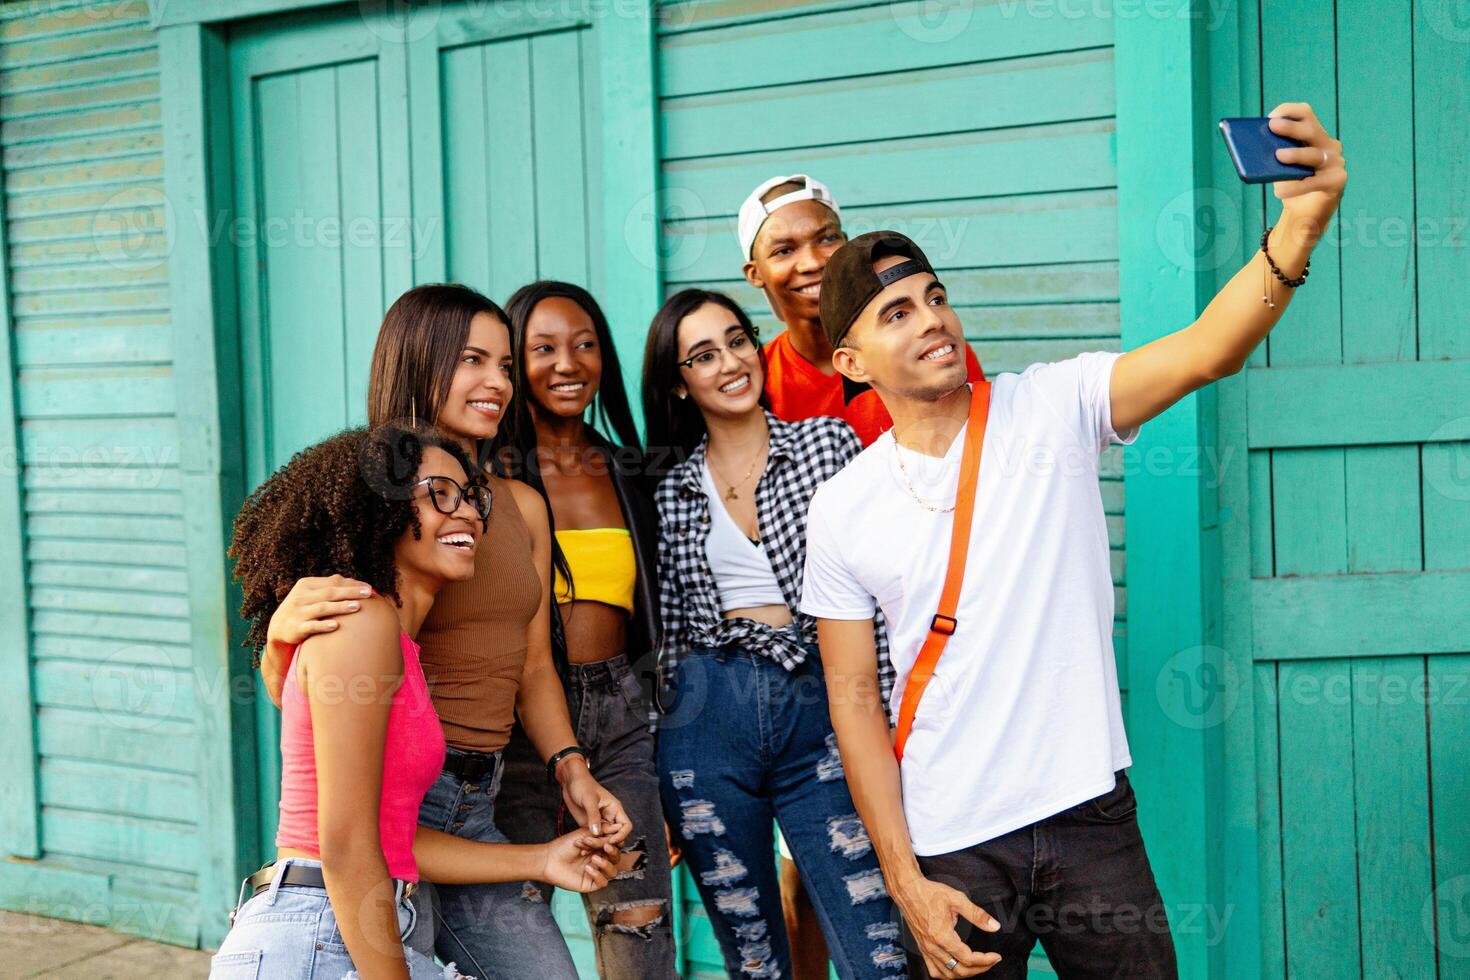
x,y
568,384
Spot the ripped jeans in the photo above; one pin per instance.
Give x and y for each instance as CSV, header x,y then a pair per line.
x,y
745,742
611,722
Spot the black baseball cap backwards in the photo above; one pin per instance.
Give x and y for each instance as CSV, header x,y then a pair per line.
x,y
849,282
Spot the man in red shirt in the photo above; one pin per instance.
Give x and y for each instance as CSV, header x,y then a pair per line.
x,y
788,228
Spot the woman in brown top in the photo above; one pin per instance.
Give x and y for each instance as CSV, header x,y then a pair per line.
x,y
444,354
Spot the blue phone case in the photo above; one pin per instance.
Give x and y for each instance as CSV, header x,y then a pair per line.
x,y
1253,148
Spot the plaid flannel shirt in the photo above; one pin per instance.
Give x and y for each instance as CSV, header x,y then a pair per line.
x,y
802,456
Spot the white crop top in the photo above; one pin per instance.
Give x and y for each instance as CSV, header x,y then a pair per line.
x,y
742,572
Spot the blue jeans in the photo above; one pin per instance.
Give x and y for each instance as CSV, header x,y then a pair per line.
x,y
746,741
288,932
497,932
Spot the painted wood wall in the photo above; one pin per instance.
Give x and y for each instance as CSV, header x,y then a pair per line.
x,y
1347,555
146,385
102,773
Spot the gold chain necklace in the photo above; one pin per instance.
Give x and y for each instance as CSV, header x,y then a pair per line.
x,y
730,493
909,486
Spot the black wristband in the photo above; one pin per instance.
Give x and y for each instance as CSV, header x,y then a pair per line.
x,y
552,763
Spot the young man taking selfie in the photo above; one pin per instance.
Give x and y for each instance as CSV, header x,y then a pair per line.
x,y
1000,809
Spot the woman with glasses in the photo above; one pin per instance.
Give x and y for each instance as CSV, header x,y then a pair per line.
x,y
399,509
444,355
746,735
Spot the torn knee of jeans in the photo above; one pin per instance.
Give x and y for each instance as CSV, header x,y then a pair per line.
x,y
740,902
531,892
699,817
638,918
886,953
633,860
865,886
727,871
848,837
829,769
682,778
756,961
888,956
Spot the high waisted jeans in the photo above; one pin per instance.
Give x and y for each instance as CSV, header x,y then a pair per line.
x,y
611,723
289,932
498,932
746,741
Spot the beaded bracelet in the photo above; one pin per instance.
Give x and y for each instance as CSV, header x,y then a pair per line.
x,y
1289,283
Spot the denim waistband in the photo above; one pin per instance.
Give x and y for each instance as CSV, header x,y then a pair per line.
x,y
737,651
609,671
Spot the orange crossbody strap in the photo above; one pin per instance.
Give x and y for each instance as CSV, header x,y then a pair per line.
x,y
942,626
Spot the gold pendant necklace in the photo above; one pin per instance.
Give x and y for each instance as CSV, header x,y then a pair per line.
x,y
730,493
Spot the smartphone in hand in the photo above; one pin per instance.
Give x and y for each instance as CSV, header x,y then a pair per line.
x,y
1253,148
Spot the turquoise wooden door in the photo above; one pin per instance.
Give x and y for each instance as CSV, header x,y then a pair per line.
x,y
1346,532
323,242
504,118
371,154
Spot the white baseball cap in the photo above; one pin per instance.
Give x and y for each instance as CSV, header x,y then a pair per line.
x,y
753,212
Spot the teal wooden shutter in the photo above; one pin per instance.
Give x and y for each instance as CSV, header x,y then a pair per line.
x,y
1347,542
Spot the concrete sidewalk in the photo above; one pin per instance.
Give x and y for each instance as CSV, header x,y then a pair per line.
x,y
32,946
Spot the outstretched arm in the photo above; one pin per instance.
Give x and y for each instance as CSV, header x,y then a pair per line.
x,y
1148,379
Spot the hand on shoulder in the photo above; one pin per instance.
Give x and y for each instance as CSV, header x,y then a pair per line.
x,y
365,643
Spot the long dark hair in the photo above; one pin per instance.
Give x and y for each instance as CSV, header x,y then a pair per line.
x,y
418,350
609,408
675,424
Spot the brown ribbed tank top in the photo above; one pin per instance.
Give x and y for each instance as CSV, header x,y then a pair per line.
x,y
473,643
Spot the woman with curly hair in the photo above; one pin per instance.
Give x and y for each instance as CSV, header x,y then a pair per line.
x,y
444,356
395,508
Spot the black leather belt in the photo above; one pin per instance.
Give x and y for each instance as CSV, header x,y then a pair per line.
x,y
302,876
471,767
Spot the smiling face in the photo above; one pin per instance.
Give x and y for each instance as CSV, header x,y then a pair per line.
x,y
481,387
563,359
445,548
908,339
723,383
789,255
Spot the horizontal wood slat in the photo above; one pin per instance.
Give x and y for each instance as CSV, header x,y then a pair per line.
x,y
1329,616
1359,404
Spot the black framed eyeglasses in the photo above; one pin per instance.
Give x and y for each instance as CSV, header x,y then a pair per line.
x,y
707,361
445,494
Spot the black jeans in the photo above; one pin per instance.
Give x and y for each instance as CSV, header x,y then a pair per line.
x,y
1078,881
611,723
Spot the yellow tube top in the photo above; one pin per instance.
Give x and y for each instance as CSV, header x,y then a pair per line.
x,y
602,563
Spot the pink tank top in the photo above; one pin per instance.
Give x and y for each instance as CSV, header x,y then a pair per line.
x,y
413,756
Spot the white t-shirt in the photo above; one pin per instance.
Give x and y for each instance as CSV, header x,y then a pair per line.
x,y
1022,718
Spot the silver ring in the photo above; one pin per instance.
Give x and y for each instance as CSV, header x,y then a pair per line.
x,y
952,963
